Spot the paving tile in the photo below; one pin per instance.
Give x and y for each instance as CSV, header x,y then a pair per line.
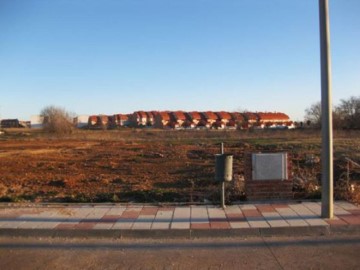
x,y
251,213
116,211
279,205
295,215
233,217
137,208
297,222
12,223
97,213
300,210
50,219
313,207
81,212
232,209
239,225
168,208
143,222
352,220
259,224
316,222
275,220
30,221
85,225
341,211
265,208
130,214
199,214
162,220
248,207
278,223
256,221
181,218
182,213
65,212
149,211
27,225
65,226
336,222
216,212
123,224
289,212
347,205
237,220
355,212
104,226
109,218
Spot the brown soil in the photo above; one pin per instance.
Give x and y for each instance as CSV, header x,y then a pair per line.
x,y
137,166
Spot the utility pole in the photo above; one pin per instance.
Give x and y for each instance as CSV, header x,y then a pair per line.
x,y
223,206
327,201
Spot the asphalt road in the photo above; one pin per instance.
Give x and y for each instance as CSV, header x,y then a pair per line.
x,y
326,252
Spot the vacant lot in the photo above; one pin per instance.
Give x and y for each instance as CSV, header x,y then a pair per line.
x,y
153,165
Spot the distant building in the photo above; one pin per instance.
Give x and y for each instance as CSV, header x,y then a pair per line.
x,y
210,117
121,120
10,123
179,118
93,121
81,121
163,120
274,120
194,117
36,121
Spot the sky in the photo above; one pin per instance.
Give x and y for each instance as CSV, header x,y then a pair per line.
x,y
119,56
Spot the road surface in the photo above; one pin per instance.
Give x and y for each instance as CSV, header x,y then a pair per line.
x,y
326,252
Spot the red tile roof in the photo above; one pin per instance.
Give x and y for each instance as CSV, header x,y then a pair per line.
x,y
164,116
93,118
122,117
223,115
210,115
194,115
237,116
149,115
250,116
272,116
179,115
141,114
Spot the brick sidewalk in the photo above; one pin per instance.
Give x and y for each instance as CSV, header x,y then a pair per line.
x,y
106,218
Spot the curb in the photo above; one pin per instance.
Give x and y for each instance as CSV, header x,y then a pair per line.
x,y
183,233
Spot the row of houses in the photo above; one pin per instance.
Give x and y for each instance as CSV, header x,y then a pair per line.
x,y
171,120
191,120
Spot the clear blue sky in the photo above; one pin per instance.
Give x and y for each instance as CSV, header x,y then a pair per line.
x,y
118,56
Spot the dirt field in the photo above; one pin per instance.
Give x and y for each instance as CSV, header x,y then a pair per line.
x,y
152,165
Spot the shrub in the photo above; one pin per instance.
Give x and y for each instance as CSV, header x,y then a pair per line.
x,y
57,120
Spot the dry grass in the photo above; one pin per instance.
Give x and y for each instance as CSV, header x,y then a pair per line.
x,y
159,165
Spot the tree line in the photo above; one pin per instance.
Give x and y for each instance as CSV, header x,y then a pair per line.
x,y
346,115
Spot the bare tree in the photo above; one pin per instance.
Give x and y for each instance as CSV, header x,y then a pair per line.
x,y
313,115
57,120
350,112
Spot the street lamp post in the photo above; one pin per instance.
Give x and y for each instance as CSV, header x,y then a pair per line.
x,y
327,200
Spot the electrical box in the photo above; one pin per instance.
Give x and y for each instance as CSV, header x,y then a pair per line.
x,y
269,166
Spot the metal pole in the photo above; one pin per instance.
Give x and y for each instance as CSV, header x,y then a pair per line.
x,y
222,182
327,201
